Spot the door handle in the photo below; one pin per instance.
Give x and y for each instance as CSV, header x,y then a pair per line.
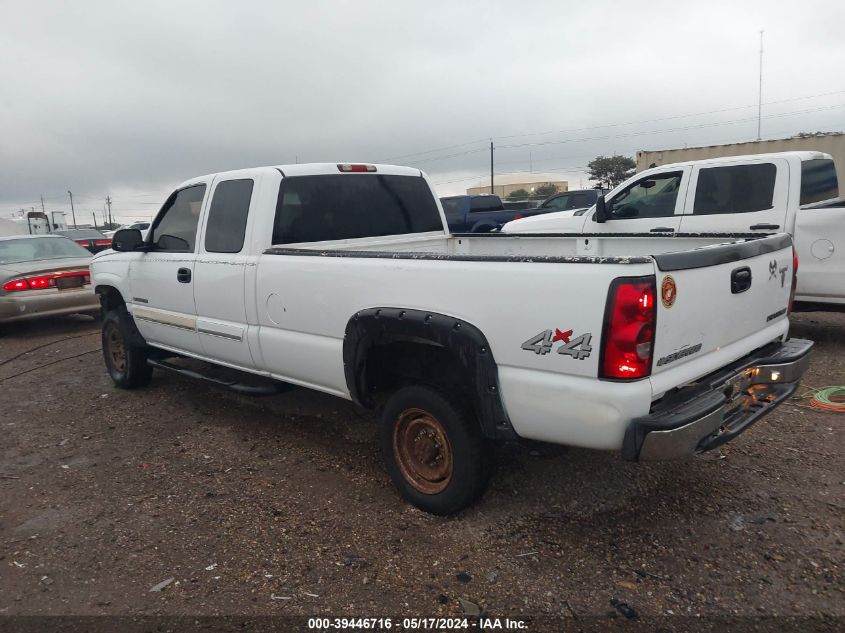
x,y
740,280
764,227
183,275
662,229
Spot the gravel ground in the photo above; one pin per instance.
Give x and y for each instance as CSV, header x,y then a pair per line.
x,y
280,505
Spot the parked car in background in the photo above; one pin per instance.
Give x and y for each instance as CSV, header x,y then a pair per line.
x,y
791,192
344,278
141,226
481,213
577,200
44,275
91,239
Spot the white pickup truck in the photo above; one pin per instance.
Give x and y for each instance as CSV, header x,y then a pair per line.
x,y
792,192
343,278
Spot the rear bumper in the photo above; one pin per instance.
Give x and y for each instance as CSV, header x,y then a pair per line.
x,y
720,406
49,302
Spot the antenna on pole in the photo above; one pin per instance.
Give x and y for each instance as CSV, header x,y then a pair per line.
x,y
760,91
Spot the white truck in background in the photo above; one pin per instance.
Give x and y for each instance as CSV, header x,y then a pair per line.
x,y
344,278
791,192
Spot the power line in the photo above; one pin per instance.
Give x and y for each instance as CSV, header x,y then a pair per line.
x,y
606,125
677,129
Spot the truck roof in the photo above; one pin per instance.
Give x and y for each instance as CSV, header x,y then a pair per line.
x,y
800,155
309,169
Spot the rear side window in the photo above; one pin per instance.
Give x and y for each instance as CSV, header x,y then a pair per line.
x,y
453,206
485,203
175,229
735,189
348,206
227,216
818,180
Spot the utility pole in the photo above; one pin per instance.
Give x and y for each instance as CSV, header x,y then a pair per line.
x,y
760,92
492,190
72,212
42,205
108,202
94,213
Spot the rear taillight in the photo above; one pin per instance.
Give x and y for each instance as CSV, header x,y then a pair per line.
x,y
356,168
84,243
516,217
40,282
15,285
102,242
794,280
628,337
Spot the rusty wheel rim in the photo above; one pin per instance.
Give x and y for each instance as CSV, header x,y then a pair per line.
x,y
116,350
422,451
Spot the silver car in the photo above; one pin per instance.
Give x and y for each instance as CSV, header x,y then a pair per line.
x,y
44,275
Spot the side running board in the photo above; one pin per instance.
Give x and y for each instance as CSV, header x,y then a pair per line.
x,y
234,385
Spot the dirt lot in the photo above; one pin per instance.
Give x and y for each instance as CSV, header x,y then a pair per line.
x,y
281,506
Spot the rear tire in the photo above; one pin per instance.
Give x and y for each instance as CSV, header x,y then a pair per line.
x,y
434,450
125,356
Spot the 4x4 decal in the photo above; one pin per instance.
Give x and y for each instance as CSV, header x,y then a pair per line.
x,y
579,347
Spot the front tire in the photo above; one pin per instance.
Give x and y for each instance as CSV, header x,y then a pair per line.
x,y
434,450
124,355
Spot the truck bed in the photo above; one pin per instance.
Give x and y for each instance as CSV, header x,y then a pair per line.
x,y
513,288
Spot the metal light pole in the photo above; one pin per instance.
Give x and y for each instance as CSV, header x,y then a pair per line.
x,y
760,91
72,212
492,189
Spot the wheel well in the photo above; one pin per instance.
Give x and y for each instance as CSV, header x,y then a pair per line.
x,y
387,348
110,297
394,364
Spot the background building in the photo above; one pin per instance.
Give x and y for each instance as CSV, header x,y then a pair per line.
x,y
832,143
503,185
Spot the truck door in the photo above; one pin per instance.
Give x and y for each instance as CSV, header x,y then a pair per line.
x,y
749,196
161,279
651,204
220,271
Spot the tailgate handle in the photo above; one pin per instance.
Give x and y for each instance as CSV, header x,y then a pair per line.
x,y
764,227
740,280
662,229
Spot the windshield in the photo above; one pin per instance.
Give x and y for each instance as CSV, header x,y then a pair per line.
x,y
38,248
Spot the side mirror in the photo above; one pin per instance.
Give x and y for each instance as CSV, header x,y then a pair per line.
x,y
126,240
600,215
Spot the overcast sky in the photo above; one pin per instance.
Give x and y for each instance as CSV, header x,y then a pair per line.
x,y
130,98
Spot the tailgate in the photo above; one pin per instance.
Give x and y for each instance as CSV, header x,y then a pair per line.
x,y
717,303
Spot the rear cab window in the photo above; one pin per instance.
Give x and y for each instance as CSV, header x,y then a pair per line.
x,y
485,203
818,181
343,206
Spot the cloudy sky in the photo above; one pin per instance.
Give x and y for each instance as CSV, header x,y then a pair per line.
x,y
129,98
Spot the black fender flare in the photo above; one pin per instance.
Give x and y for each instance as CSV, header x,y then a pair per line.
x,y
379,326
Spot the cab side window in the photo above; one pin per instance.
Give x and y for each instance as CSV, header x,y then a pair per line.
x,y
227,215
651,197
175,228
559,203
735,189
